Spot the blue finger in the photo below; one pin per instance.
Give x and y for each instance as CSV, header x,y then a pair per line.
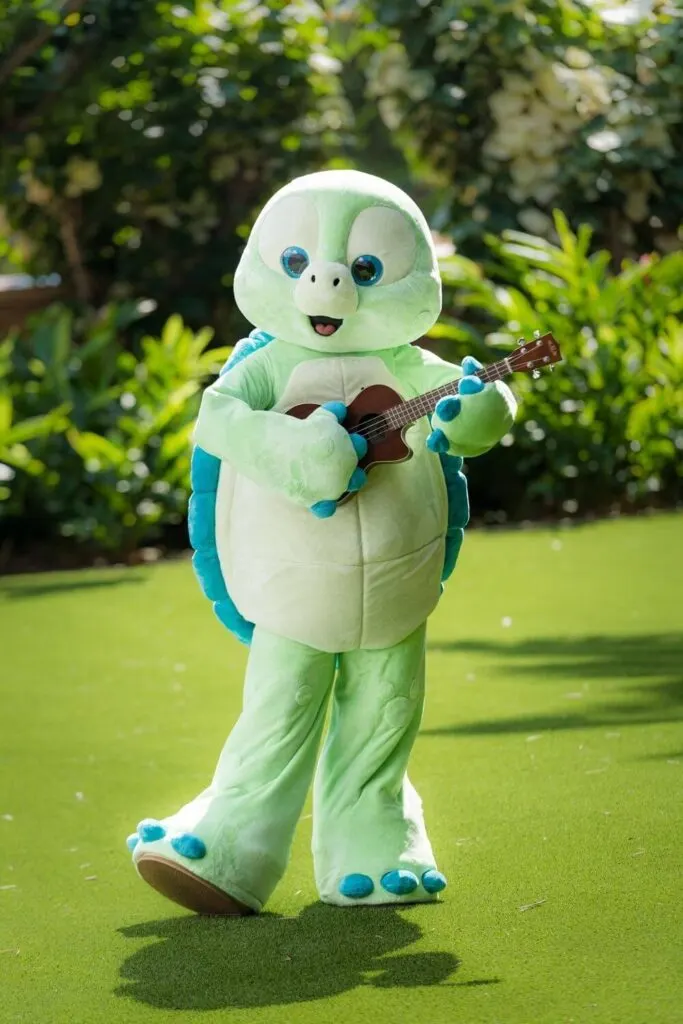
x,y
360,445
337,409
324,509
358,479
470,386
448,408
437,441
470,365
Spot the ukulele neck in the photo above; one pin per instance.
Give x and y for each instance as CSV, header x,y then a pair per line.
x,y
413,409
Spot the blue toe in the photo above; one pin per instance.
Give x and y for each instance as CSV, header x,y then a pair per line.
x,y
150,829
434,881
337,409
356,887
471,386
324,509
360,445
448,408
132,841
437,441
358,479
189,846
470,365
400,882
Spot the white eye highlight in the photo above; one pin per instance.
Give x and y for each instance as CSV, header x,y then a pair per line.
x,y
386,235
290,223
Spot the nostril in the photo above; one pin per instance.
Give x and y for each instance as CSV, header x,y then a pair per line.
x,y
313,278
335,282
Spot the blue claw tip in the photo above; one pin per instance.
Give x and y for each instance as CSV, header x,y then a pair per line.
x,y
132,841
150,829
360,445
189,846
356,887
437,441
447,408
358,478
470,365
324,509
433,880
400,882
338,409
470,386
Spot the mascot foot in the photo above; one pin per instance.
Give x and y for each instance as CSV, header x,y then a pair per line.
x,y
399,886
153,846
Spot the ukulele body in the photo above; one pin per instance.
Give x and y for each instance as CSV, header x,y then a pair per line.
x,y
389,446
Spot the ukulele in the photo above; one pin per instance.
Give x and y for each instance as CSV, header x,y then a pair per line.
x,y
382,417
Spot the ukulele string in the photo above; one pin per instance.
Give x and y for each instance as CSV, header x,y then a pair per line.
x,y
373,430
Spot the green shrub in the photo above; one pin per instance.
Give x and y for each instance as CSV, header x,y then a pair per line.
x,y
511,109
605,430
117,472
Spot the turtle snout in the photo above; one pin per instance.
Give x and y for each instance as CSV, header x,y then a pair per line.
x,y
326,291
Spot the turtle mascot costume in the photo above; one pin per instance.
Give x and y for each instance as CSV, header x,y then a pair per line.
x,y
340,275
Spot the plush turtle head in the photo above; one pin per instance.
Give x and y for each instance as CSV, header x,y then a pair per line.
x,y
340,261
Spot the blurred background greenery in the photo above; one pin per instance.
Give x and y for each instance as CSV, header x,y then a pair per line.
x,y
140,138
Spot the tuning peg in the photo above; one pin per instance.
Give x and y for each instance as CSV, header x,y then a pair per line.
x,y
535,374
520,341
537,334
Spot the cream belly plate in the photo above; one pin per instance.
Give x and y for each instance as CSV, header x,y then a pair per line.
x,y
364,578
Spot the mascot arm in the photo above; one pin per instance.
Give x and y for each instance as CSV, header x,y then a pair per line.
x,y
474,421
306,460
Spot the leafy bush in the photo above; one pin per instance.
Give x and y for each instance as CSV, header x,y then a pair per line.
x,y
605,431
103,433
138,138
512,109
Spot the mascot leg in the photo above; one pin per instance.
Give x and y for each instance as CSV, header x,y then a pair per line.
x,y
224,852
370,844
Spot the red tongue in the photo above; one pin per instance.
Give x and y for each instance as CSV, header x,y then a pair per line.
x,y
325,328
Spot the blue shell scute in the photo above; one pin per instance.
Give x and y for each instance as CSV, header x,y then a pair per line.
x,y
204,475
458,510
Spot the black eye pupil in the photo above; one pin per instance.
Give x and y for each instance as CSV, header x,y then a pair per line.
x,y
296,261
364,269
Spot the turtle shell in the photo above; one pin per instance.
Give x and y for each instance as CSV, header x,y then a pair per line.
x,y
205,471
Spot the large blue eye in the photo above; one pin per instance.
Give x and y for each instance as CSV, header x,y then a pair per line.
x,y
366,270
294,260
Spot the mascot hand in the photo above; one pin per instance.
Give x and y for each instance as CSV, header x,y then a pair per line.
x,y
448,409
330,459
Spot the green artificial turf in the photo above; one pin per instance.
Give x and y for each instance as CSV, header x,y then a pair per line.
x,y
550,763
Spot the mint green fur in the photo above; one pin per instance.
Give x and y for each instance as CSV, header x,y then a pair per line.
x,y
353,590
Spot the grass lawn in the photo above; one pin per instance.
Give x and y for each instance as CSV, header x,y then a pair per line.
x,y
550,763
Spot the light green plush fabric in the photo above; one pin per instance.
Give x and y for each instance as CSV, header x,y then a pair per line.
x,y
368,817
355,588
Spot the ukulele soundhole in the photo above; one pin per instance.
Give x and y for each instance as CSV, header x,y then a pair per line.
x,y
375,433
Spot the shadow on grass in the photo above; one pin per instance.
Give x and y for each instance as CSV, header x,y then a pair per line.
x,y
218,963
642,674
26,590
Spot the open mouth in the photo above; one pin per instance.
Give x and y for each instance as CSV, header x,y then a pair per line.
x,y
325,325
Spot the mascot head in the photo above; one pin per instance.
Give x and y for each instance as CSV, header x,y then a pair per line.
x,y
340,261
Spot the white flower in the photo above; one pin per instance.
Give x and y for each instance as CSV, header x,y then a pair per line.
x,y
325,64
604,141
504,105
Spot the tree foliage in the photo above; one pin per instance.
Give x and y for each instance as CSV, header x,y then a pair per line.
x,y
140,136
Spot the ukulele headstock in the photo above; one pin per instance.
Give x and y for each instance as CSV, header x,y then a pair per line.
x,y
533,356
